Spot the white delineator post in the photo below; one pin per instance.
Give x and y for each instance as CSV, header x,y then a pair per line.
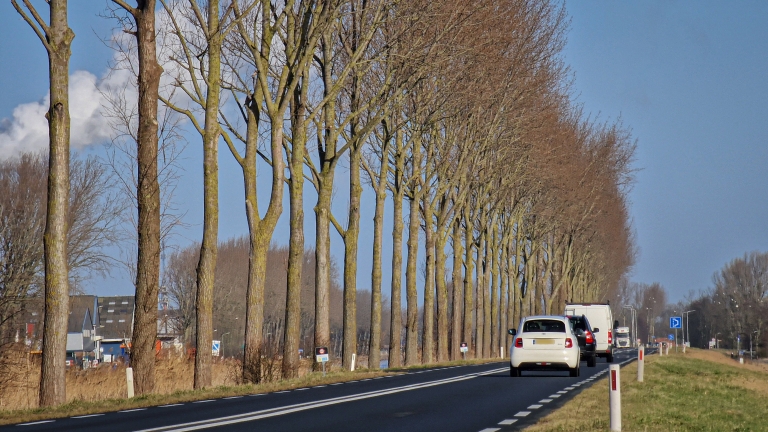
x,y
661,349
614,391
352,366
129,381
640,363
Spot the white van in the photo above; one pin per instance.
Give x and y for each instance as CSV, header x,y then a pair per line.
x,y
601,320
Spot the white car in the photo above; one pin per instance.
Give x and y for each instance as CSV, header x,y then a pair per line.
x,y
544,342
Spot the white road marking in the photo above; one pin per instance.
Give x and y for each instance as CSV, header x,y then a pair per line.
x,y
257,394
337,383
89,415
133,410
203,401
554,396
284,391
303,388
569,388
490,430
522,414
535,406
169,405
545,401
233,397
321,386
562,392
508,422
36,423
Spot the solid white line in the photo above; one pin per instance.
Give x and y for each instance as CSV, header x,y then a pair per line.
x,y
272,412
133,410
36,423
522,414
535,406
508,422
89,415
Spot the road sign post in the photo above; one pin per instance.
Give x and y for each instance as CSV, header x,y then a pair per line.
x,y
464,348
640,363
321,356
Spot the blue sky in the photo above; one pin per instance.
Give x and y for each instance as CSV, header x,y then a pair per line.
x,y
689,79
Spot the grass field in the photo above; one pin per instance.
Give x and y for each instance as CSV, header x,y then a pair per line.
x,y
698,391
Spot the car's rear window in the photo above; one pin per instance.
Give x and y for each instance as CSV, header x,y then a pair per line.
x,y
578,322
544,325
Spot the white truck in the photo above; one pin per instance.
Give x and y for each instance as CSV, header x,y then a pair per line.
x,y
622,339
601,319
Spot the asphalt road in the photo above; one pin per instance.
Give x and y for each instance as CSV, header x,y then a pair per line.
x,y
462,398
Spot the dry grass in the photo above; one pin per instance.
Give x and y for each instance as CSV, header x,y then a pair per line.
x,y
699,391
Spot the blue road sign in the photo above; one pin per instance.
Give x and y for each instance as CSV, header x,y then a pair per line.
x,y
671,337
675,322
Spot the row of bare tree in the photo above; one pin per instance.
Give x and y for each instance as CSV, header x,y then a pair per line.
x,y
461,112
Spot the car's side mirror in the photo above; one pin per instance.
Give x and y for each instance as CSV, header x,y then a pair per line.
x,y
512,332
595,330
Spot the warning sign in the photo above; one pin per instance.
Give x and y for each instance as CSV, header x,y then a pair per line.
x,y
463,348
321,354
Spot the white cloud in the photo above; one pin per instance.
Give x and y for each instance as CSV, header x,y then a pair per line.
x,y
27,131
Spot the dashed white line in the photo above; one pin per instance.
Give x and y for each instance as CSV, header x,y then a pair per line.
x,y
545,401
337,383
522,414
508,422
303,388
535,406
554,396
169,405
321,386
36,423
89,415
257,394
569,388
490,430
204,401
562,392
233,397
284,391
133,410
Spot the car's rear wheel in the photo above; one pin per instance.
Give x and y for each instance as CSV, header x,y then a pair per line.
x,y
514,372
575,371
591,361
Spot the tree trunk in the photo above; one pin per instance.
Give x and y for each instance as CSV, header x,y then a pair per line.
x,y
468,288
148,200
323,259
206,267
374,348
58,43
458,284
480,298
494,276
350,258
486,300
395,326
296,243
411,296
442,298
428,329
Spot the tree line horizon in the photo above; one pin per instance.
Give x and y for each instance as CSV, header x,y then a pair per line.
x,y
463,115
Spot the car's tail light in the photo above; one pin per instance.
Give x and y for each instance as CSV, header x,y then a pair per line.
x,y
590,338
610,337
568,343
519,343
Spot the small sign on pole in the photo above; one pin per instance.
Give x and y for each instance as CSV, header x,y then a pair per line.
x,y
464,348
321,356
216,348
675,322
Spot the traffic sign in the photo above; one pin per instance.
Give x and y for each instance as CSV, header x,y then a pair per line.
x,y
671,337
216,347
321,354
463,348
675,322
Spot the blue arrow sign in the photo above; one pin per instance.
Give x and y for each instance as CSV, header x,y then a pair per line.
x,y
675,322
671,337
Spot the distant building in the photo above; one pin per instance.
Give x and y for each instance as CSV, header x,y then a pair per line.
x,y
81,327
115,325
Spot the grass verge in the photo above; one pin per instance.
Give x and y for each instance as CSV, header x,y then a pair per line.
x,y
698,391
